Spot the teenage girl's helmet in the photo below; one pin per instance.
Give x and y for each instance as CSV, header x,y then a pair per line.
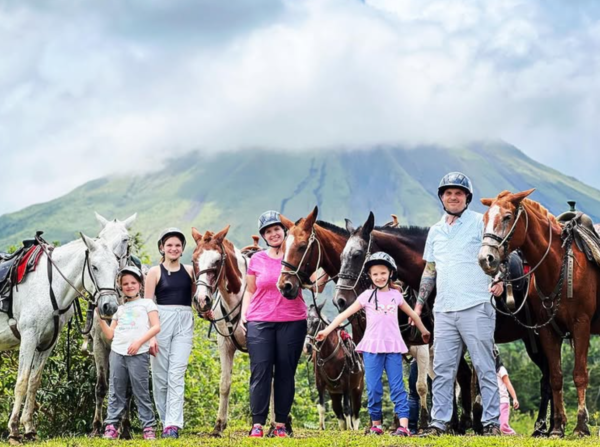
x,y
267,219
165,234
456,180
133,271
382,258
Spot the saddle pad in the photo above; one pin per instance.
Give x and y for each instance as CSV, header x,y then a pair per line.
x,y
28,262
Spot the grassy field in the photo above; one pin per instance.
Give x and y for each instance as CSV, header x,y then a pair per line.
x,y
332,438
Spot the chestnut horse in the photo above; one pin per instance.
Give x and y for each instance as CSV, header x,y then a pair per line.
x,y
339,370
512,222
406,246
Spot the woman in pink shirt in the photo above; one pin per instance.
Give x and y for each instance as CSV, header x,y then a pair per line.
x,y
276,328
382,345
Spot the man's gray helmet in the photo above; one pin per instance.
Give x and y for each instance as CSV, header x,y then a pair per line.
x,y
131,270
456,180
382,258
165,234
267,219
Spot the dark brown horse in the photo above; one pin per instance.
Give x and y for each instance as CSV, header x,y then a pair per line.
x,y
512,222
338,370
406,246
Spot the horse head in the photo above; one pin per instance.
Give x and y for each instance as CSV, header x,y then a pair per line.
x,y
313,326
102,269
504,229
301,254
116,234
351,279
212,264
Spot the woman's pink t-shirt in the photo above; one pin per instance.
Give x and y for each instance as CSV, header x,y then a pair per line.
x,y
383,333
267,303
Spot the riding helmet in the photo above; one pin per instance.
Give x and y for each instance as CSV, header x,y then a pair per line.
x,y
267,219
131,270
168,233
456,180
382,258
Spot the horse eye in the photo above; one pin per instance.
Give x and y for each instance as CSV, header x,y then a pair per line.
x,y
94,268
507,218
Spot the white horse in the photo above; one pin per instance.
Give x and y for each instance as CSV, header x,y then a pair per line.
x,y
86,264
116,235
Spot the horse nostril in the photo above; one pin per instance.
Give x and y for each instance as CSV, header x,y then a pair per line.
x,y
207,302
341,303
287,286
490,258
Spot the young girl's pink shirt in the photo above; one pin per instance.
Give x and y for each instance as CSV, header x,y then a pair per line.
x,y
383,333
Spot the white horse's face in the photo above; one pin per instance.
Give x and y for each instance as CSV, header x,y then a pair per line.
x,y
103,266
116,234
209,264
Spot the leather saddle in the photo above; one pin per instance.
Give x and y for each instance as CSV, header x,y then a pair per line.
x,y
9,269
584,233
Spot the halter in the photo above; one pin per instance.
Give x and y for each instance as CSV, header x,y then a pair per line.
x,y
303,276
214,287
361,274
503,243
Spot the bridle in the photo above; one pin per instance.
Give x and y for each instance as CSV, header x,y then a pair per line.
x,y
361,276
213,288
302,275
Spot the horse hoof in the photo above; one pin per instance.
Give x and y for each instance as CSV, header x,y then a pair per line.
x,y
126,435
581,431
31,436
217,434
556,434
14,440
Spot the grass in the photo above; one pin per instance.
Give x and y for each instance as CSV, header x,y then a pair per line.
x,y
330,438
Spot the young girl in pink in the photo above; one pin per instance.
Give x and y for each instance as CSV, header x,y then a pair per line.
x,y
505,387
382,345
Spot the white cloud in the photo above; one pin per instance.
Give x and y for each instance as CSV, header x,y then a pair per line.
x,y
88,90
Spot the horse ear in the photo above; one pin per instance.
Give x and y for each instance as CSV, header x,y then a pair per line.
x,y
310,220
368,226
286,222
101,219
487,202
519,196
220,236
196,234
349,226
90,243
129,221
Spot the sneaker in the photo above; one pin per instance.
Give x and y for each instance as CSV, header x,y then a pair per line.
x,y
171,431
280,432
149,433
375,430
401,431
256,431
492,430
110,432
432,430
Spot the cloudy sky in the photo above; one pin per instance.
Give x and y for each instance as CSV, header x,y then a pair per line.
x,y
90,88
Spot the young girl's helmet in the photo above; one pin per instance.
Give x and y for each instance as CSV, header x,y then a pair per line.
x,y
382,258
131,270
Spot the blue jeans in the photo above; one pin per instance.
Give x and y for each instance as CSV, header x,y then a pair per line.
x,y
375,364
414,400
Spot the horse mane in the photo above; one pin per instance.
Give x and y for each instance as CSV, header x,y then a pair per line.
x,y
408,231
333,228
207,236
539,209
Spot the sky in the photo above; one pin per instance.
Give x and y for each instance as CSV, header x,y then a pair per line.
x,y
89,89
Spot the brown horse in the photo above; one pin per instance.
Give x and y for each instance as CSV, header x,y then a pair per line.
x,y
406,246
339,370
512,222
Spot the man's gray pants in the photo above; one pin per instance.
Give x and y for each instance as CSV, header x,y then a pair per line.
x,y
475,328
134,369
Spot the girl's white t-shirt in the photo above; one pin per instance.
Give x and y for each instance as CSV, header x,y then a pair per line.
x,y
504,399
133,323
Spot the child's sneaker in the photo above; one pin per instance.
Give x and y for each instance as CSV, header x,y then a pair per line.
x,y
280,432
110,432
171,431
401,431
149,433
376,430
256,431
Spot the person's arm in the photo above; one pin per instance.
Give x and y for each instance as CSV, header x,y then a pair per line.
x,y
150,333
190,271
250,289
426,287
355,307
425,334
511,391
108,331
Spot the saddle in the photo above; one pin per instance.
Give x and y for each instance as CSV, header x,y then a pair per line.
x,y
251,250
14,268
581,228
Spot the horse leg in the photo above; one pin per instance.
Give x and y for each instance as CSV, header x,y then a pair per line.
x,y
125,418
336,404
581,340
26,354
463,377
226,353
422,356
551,343
355,400
321,408
101,358
539,358
347,410
35,379
477,405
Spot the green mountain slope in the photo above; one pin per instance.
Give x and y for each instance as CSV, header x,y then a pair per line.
x,y
211,191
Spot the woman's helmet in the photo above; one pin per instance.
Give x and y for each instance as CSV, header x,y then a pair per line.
x,y
382,258
165,234
267,219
